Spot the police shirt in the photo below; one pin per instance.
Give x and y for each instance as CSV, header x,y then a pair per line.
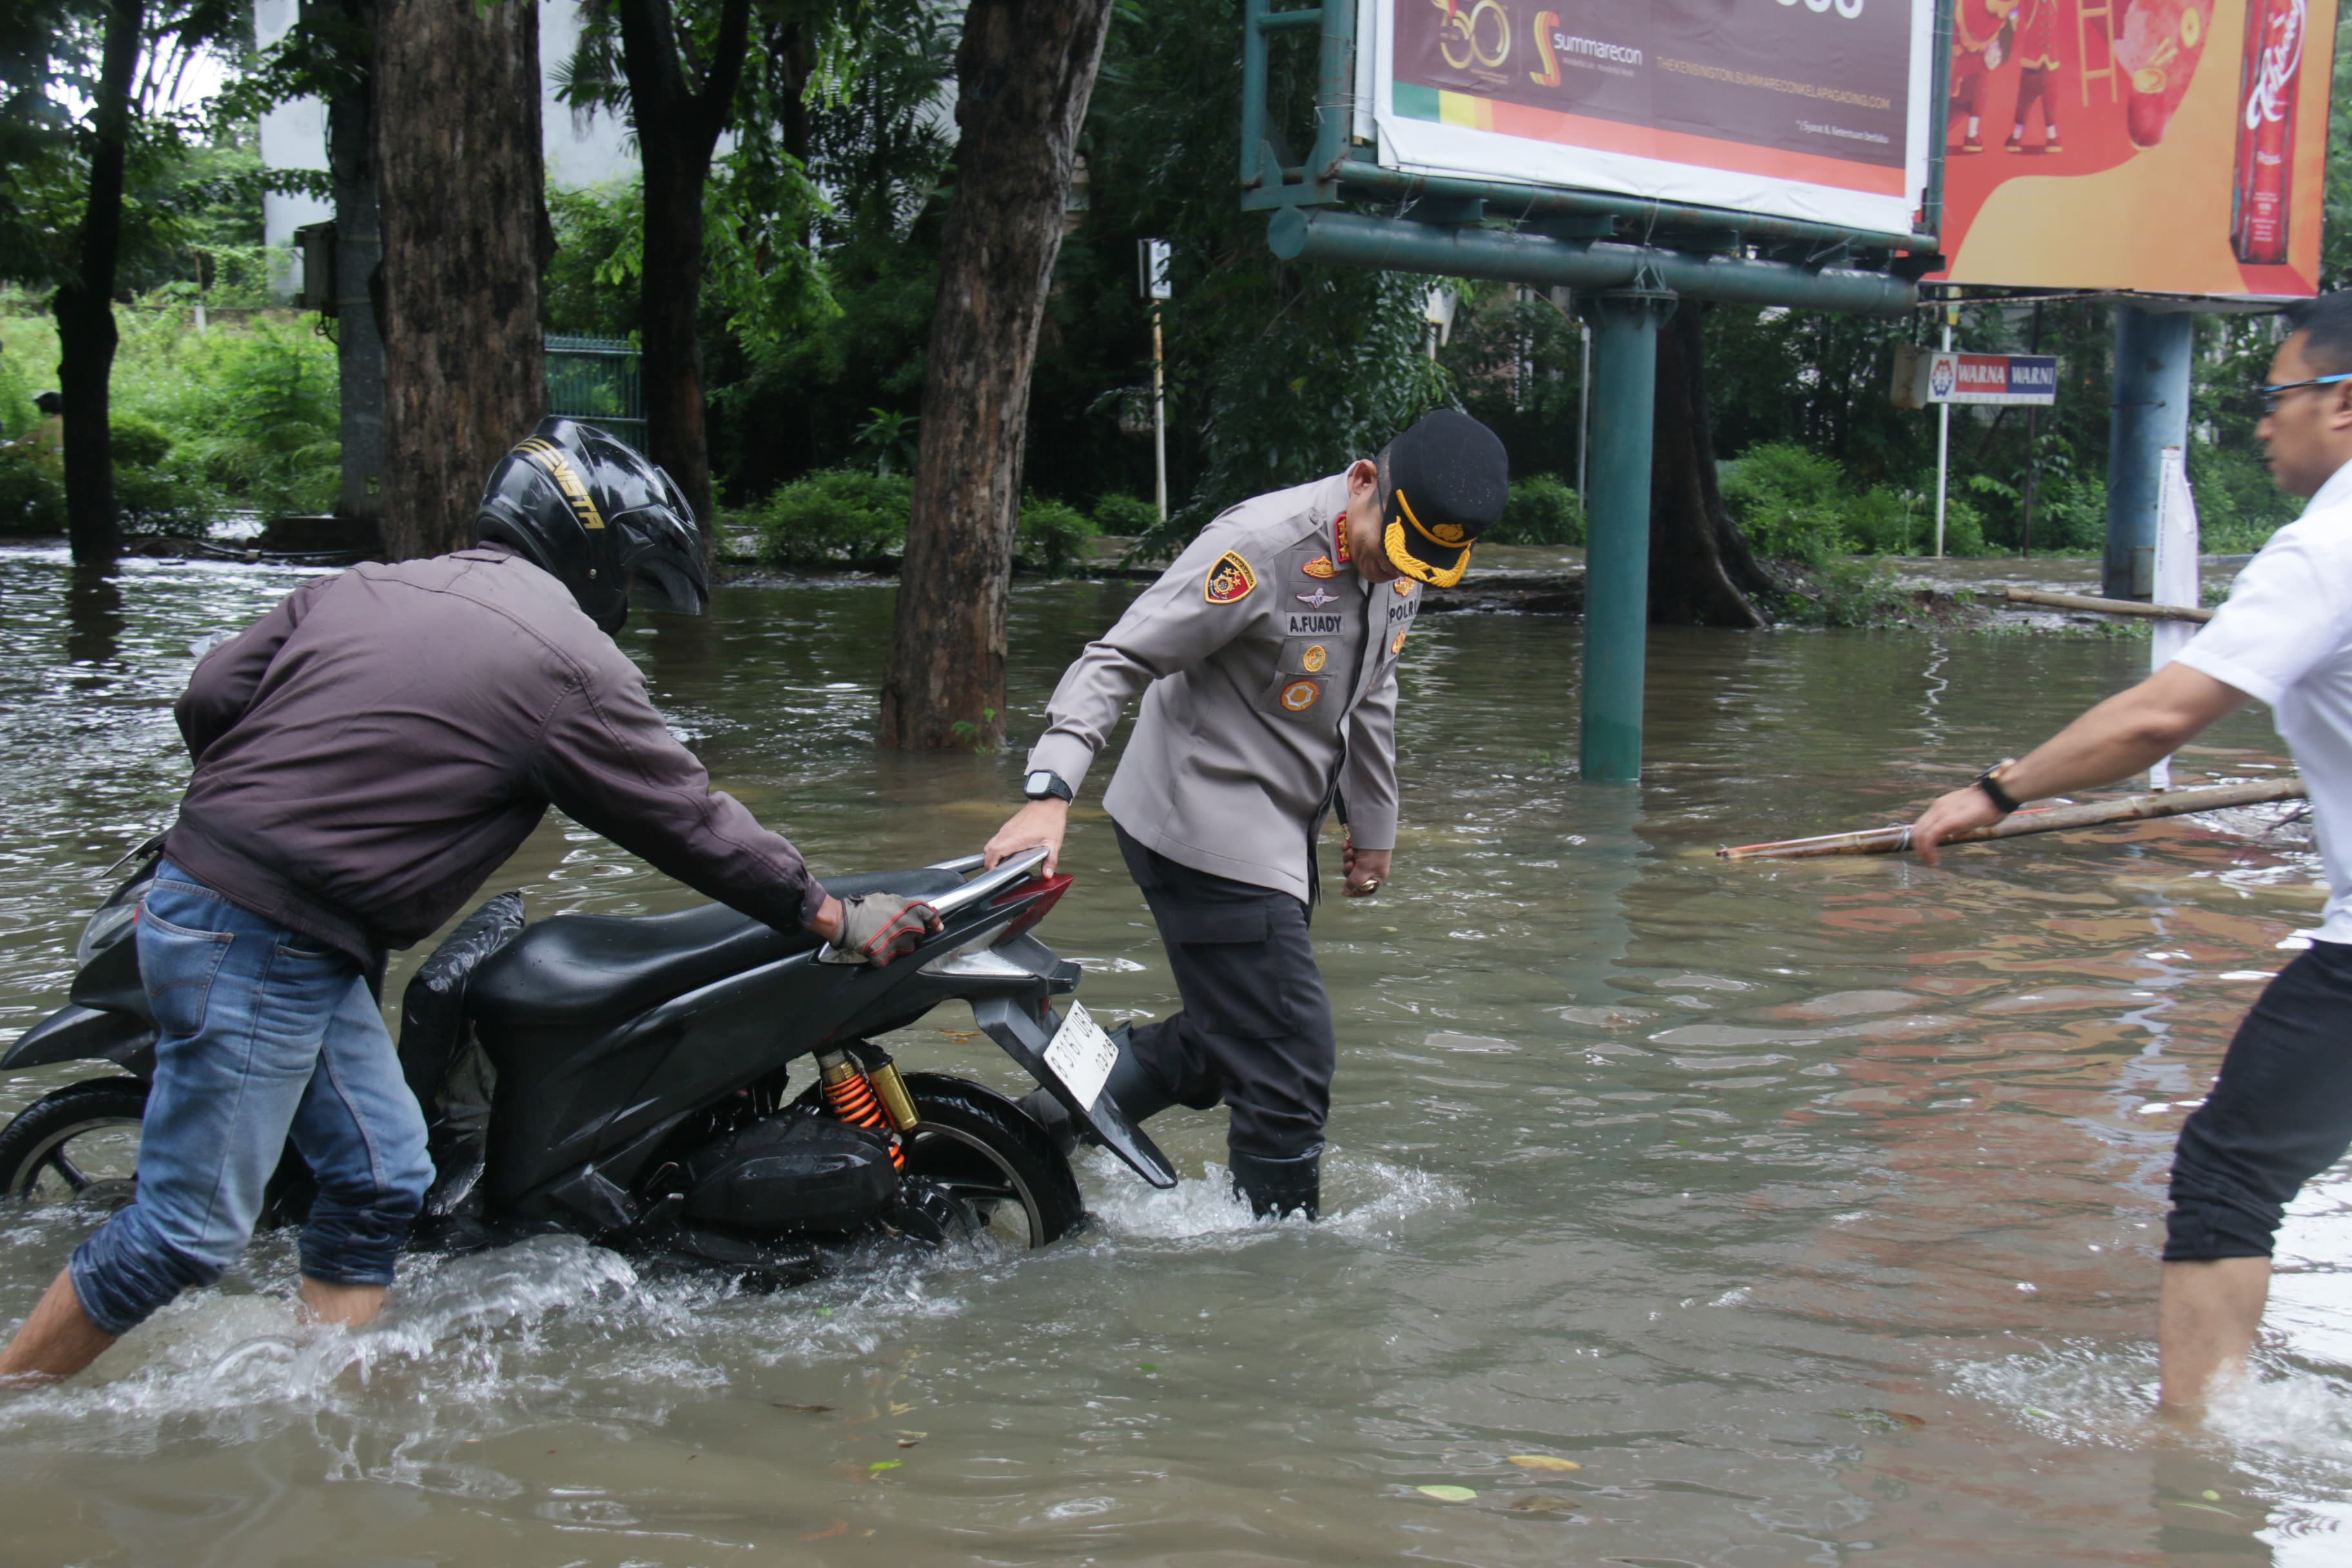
x,y
1268,673
2285,639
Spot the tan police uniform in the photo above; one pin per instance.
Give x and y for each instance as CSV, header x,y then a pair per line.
x,y
1268,668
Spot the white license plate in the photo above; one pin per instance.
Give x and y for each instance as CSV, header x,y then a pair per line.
x,y
1081,1055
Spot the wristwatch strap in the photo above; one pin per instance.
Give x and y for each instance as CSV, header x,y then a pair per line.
x,y
1988,782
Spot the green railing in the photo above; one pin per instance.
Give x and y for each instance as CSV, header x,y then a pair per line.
x,y
595,379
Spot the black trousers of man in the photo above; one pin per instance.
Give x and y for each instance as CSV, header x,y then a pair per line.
x,y
1256,1030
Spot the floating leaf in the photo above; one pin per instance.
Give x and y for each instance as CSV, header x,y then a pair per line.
x,y
1543,1502
902,1432
1544,1462
1145,1366
899,1409
909,1442
839,1527
803,1409
2210,1496
1447,1494
884,1465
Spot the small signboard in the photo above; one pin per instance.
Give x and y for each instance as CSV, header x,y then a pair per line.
x,y
1924,376
1152,257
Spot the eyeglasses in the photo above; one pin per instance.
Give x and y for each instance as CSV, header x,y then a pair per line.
x,y
2271,395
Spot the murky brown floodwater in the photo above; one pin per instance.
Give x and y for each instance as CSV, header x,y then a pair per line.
x,y
1811,1210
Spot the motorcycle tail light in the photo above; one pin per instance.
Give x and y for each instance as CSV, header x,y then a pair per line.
x,y
1047,893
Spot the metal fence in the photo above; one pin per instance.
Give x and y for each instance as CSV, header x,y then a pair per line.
x,y
595,379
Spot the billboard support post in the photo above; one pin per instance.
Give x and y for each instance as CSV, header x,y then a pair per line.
x,y
1617,530
2150,413
1943,443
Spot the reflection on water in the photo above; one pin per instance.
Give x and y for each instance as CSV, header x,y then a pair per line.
x,y
1810,1210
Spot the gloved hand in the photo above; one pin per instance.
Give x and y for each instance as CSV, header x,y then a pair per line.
x,y
879,927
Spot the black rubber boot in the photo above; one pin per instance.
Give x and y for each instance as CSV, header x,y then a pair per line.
x,y
1130,1085
1277,1189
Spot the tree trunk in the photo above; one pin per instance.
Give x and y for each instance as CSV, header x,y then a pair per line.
x,y
1024,70
85,304
359,258
678,127
463,218
1701,570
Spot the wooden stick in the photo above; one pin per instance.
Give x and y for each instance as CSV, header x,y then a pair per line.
x,y
2056,819
2108,607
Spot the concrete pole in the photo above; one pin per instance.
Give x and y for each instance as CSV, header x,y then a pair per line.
x,y
1158,422
1943,441
1617,538
2150,413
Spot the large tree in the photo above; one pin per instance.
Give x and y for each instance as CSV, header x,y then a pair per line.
x,y
1702,572
463,218
1024,71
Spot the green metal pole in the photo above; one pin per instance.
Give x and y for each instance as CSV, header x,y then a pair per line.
x,y
1617,530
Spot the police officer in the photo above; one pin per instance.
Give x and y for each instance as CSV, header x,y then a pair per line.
x,y
1267,657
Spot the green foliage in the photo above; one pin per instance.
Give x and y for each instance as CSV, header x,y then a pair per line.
x,y
838,517
1795,504
1123,517
887,441
1791,501
32,492
1053,539
1542,509
1847,593
254,413
835,516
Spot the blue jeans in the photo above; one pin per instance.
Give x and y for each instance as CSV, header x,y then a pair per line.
x,y
260,1033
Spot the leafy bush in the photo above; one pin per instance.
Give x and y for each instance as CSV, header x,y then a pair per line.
x,y
153,491
1792,502
1541,510
836,515
1848,594
1124,517
1053,538
32,495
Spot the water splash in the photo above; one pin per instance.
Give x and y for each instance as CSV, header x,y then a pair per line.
x,y
1364,1200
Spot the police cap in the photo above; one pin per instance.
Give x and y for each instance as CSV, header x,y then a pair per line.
x,y
1447,481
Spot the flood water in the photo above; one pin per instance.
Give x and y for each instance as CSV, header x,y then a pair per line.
x,y
1810,1211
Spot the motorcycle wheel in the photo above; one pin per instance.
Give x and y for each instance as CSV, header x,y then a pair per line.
x,y
983,1149
79,1143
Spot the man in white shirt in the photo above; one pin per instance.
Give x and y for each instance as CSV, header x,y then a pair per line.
x,y
2281,1112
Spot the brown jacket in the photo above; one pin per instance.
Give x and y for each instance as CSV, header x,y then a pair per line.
x,y
369,751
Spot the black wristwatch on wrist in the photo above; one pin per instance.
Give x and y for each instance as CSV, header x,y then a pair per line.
x,y
1988,782
1047,784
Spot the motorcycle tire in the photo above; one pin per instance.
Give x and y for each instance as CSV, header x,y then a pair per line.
x,y
985,1150
101,1113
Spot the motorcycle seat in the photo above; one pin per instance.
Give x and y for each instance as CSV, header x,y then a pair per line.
x,y
598,970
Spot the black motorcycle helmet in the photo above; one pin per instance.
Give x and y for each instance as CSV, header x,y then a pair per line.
x,y
606,523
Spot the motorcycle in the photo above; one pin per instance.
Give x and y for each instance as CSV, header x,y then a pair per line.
x,y
695,1084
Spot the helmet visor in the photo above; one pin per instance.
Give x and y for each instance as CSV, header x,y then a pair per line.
x,y
662,588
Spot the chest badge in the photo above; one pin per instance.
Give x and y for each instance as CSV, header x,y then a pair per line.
x,y
1300,695
1403,586
1315,599
1396,643
1320,566
1314,659
1230,580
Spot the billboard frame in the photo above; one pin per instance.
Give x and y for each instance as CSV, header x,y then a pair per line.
x,y
1630,258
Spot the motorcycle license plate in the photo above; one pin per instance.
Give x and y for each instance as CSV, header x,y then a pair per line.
x,y
1081,1055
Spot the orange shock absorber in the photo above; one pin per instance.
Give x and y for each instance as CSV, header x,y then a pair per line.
x,y
849,1095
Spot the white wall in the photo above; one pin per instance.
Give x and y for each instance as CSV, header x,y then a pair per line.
x,y
579,152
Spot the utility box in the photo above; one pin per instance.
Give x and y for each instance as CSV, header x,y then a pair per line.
x,y
317,244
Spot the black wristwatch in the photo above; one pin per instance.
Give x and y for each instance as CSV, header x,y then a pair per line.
x,y
1988,782
1047,784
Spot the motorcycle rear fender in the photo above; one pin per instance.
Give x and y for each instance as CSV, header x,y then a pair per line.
x,y
75,1033
1025,1033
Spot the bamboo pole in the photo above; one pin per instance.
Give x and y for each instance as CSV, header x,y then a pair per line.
x,y
2055,819
2107,607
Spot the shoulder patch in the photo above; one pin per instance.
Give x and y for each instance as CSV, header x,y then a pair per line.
x,y
1230,580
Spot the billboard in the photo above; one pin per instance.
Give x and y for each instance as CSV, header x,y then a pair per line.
x,y
2171,146
1815,110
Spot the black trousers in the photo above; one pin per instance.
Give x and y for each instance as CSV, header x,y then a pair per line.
x,y
1256,1030
2280,1113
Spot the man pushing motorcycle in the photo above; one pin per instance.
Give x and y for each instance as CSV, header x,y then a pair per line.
x,y
364,756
